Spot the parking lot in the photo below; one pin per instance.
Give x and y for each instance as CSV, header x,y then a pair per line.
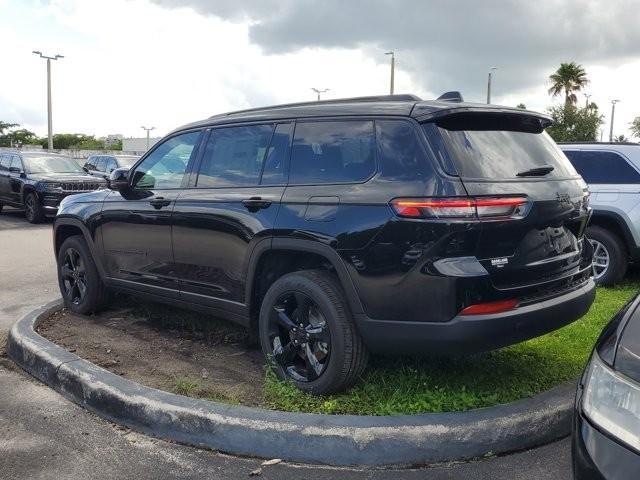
x,y
70,442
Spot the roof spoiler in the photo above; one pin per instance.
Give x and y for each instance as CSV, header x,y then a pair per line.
x,y
453,96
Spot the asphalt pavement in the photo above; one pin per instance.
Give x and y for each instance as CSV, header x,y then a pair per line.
x,y
43,435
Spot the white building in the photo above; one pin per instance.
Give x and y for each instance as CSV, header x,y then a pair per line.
x,y
138,145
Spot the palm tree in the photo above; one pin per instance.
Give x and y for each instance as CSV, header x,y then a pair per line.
x,y
568,79
635,127
4,126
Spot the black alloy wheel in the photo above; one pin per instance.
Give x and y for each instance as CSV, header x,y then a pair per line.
x,y
73,273
32,208
80,283
299,336
308,335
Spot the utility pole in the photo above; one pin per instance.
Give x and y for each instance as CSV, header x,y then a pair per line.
x,y
148,130
393,70
613,114
49,113
489,84
587,96
318,91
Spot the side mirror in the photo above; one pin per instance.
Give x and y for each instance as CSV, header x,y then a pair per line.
x,y
119,179
85,169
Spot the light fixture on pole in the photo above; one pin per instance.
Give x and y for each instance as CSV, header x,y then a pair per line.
x,y
613,114
49,113
489,84
393,70
148,130
587,96
318,91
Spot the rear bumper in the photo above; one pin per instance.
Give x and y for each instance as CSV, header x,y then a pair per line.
x,y
476,333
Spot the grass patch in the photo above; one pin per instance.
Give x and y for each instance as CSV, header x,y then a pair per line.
x,y
393,386
196,388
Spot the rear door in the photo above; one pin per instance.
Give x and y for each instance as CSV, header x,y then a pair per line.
x,y
16,170
232,205
504,156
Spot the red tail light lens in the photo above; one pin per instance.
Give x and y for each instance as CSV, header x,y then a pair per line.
x,y
490,307
468,207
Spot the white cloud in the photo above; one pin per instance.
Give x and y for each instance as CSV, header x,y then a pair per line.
x,y
133,63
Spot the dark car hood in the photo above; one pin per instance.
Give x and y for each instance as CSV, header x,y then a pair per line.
x,y
64,177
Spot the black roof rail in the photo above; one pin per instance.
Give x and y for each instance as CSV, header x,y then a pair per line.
x,y
453,96
375,98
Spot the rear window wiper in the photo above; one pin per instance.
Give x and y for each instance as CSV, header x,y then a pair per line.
x,y
536,172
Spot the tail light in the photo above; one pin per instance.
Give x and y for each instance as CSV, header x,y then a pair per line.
x,y
490,307
463,208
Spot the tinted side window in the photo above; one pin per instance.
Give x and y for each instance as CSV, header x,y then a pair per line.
x,y
167,163
15,162
599,167
399,151
332,152
101,163
234,156
5,160
91,163
277,159
110,165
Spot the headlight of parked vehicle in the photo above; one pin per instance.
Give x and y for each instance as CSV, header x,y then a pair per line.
x,y
612,402
52,186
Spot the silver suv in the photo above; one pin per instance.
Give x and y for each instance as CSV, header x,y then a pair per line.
x,y
612,171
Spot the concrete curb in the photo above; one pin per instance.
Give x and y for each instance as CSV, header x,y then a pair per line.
x,y
296,437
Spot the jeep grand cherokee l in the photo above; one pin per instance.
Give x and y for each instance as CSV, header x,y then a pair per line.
x,y
335,228
37,181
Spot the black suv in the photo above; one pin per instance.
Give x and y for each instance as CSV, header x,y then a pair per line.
x,y
37,181
331,229
102,165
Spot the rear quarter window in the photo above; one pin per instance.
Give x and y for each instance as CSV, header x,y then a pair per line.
x,y
603,167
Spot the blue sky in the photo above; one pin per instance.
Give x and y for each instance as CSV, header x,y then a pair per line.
x,y
165,63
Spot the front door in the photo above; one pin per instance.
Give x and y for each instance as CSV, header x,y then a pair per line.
x,y
136,223
232,205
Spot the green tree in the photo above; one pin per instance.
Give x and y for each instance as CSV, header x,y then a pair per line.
x,y
116,145
88,143
620,139
21,136
5,126
521,106
635,127
573,124
569,79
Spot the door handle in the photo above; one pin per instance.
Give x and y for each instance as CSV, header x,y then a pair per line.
x,y
160,202
254,204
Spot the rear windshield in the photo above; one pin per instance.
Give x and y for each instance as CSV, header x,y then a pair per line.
x,y
492,147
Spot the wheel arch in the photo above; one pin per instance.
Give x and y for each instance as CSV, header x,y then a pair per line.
x,y
273,258
614,223
64,228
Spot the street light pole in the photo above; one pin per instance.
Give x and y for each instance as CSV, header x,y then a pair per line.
x,y
148,130
393,70
613,114
49,112
318,91
489,84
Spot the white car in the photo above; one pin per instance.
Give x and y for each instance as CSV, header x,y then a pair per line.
x,y
612,171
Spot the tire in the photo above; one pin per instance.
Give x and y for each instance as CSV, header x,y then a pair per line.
x,y
74,253
32,208
345,357
613,248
